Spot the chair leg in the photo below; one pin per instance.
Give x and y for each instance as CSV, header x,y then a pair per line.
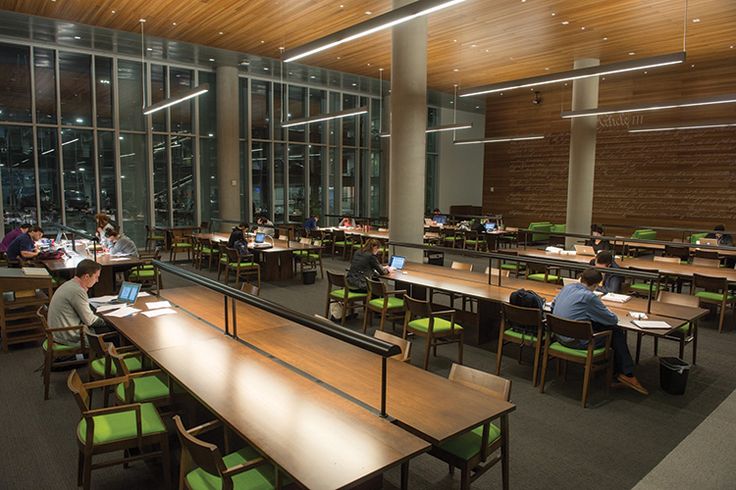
x,y
465,478
87,471
460,350
586,380
383,321
535,367
47,375
656,346
80,467
366,315
695,342
166,460
344,313
638,348
427,349
722,317
545,358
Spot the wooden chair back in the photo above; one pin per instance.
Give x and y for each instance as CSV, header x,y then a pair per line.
x,y
522,317
487,383
417,307
710,283
703,262
251,289
305,241
376,288
669,260
532,268
580,330
117,359
97,344
678,299
494,272
403,344
707,254
203,454
232,255
76,386
339,235
461,266
335,281
681,253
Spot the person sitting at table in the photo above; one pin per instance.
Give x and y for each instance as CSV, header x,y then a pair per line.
x,y
365,264
310,225
12,235
578,302
265,225
724,239
120,244
103,225
612,283
237,235
436,212
70,304
597,243
347,222
24,246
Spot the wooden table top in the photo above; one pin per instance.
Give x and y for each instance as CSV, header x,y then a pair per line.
x,y
660,246
319,438
105,260
278,245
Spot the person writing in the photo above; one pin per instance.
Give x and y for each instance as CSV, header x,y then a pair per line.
x,y
24,246
595,242
120,244
347,222
578,302
103,225
612,283
12,235
365,264
70,304
265,225
724,239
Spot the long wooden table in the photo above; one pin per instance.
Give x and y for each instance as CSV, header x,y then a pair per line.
x,y
106,284
320,439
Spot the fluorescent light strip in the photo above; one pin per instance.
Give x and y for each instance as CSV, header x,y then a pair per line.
x,y
681,128
325,117
498,140
722,99
71,141
439,129
591,71
378,23
195,92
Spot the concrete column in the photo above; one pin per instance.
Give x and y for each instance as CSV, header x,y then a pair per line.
x,y
581,172
228,144
408,115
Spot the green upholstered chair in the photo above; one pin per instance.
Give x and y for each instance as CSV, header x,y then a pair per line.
x,y
475,241
153,236
644,234
388,303
243,266
542,273
513,267
714,291
101,365
56,354
686,334
146,273
594,359
341,243
453,238
203,467
470,451
523,327
640,287
310,259
339,293
180,244
696,236
536,228
111,429
682,253
208,251
420,320
150,386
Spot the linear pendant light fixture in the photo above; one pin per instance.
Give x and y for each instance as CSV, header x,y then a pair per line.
x,y
325,117
378,23
721,99
498,140
592,71
682,128
439,129
189,94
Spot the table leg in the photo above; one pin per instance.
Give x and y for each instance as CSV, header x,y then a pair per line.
x,y
505,451
405,475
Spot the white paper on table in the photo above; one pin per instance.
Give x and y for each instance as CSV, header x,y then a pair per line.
x,y
143,294
104,308
652,324
158,304
117,259
159,312
637,315
102,299
35,271
123,312
616,298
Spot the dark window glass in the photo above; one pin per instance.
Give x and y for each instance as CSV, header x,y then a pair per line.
x,y
375,184
243,107
349,168
279,112
208,162
80,190
44,66
261,189
161,180
317,106
17,176
180,82
430,189
106,162
316,156
332,183
433,120
297,110
349,124
279,175
134,182
182,180
296,183
158,93
48,176
15,80
103,89
334,125
261,114
130,95
208,105
75,84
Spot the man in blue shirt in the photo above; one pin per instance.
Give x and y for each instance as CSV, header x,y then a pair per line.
x,y
579,302
311,224
24,246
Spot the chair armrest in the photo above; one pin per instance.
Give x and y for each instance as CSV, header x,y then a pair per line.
x,y
141,374
206,427
603,333
128,349
241,468
65,329
89,414
128,354
116,409
399,292
443,312
92,385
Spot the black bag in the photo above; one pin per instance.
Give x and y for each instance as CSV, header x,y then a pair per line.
x,y
241,246
50,255
526,299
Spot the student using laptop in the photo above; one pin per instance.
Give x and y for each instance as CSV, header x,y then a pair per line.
x,y
723,238
24,246
70,304
365,264
595,242
612,283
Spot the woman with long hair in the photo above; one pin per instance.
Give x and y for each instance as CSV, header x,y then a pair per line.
x,y
365,264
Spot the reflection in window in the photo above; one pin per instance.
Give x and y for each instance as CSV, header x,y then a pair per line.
x,y
48,177
45,74
349,124
15,80
376,126
364,126
261,188
103,89
375,184
180,81
279,174
334,125
430,189
208,106
317,106
160,180
348,180
208,161
332,184
297,110
182,180
75,84
296,183
158,93
316,155
106,162
279,112
261,114
134,183
80,193
17,176
130,96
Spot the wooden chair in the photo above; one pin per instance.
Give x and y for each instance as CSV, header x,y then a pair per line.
x,y
251,289
513,267
594,359
474,241
430,325
642,288
53,351
403,344
150,386
146,273
196,252
685,334
682,254
356,243
203,466
458,266
339,293
542,273
180,244
101,365
390,304
704,262
121,428
521,326
470,451
341,242
706,254
310,259
668,260
714,292
241,265
152,236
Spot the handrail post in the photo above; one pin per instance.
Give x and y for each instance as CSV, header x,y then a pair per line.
x,y
227,323
384,380
235,318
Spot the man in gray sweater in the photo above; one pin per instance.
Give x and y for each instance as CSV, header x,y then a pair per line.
x,y
121,244
70,304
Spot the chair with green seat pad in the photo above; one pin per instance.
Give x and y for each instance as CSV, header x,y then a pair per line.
x,y
471,452
536,230
687,333
207,251
152,236
356,243
420,320
523,327
511,266
682,253
150,386
541,273
695,237
196,252
146,273
297,254
388,303
342,243
244,266
202,466
644,234
475,241
57,354
714,292
119,428
593,358
101,365
180,244
309,259
640,287
339,293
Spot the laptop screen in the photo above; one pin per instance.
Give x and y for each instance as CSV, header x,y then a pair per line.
x,y
129,292
260,237
440,219
490,226
397,262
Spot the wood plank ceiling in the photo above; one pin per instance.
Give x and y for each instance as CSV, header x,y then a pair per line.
x,y
474,43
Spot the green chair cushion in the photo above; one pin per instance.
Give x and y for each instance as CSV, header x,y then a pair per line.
x,y
206,250
146,388
259,478
556,346
182,245
342,243
467,445
132,363
440,325
314,256
301,252
518,335
684,328
340,293
540,277
120,426
714,296
511,267
59,347
643,287
393,302
473,242
156,237
143,273
452,238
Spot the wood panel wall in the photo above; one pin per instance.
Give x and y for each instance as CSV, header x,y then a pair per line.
x,y
678,178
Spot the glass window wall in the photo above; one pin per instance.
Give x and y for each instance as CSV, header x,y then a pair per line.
x,y
15,80
80,189
44,66
48,176
75,86
130,95
103,91
296,183
160,180
108,180
134,184
261,188
180,81
17,176
182,180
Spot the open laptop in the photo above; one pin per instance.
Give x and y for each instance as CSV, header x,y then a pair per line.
x,y
397,262
128,293
708,241
428,222
584,250
260,241
490,227
440,219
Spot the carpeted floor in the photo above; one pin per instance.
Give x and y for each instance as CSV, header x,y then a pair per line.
x,y
555,443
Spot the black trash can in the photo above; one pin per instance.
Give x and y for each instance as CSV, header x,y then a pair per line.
x,y
673,373
308,277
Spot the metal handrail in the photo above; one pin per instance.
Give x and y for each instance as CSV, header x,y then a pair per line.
x,y
82,234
